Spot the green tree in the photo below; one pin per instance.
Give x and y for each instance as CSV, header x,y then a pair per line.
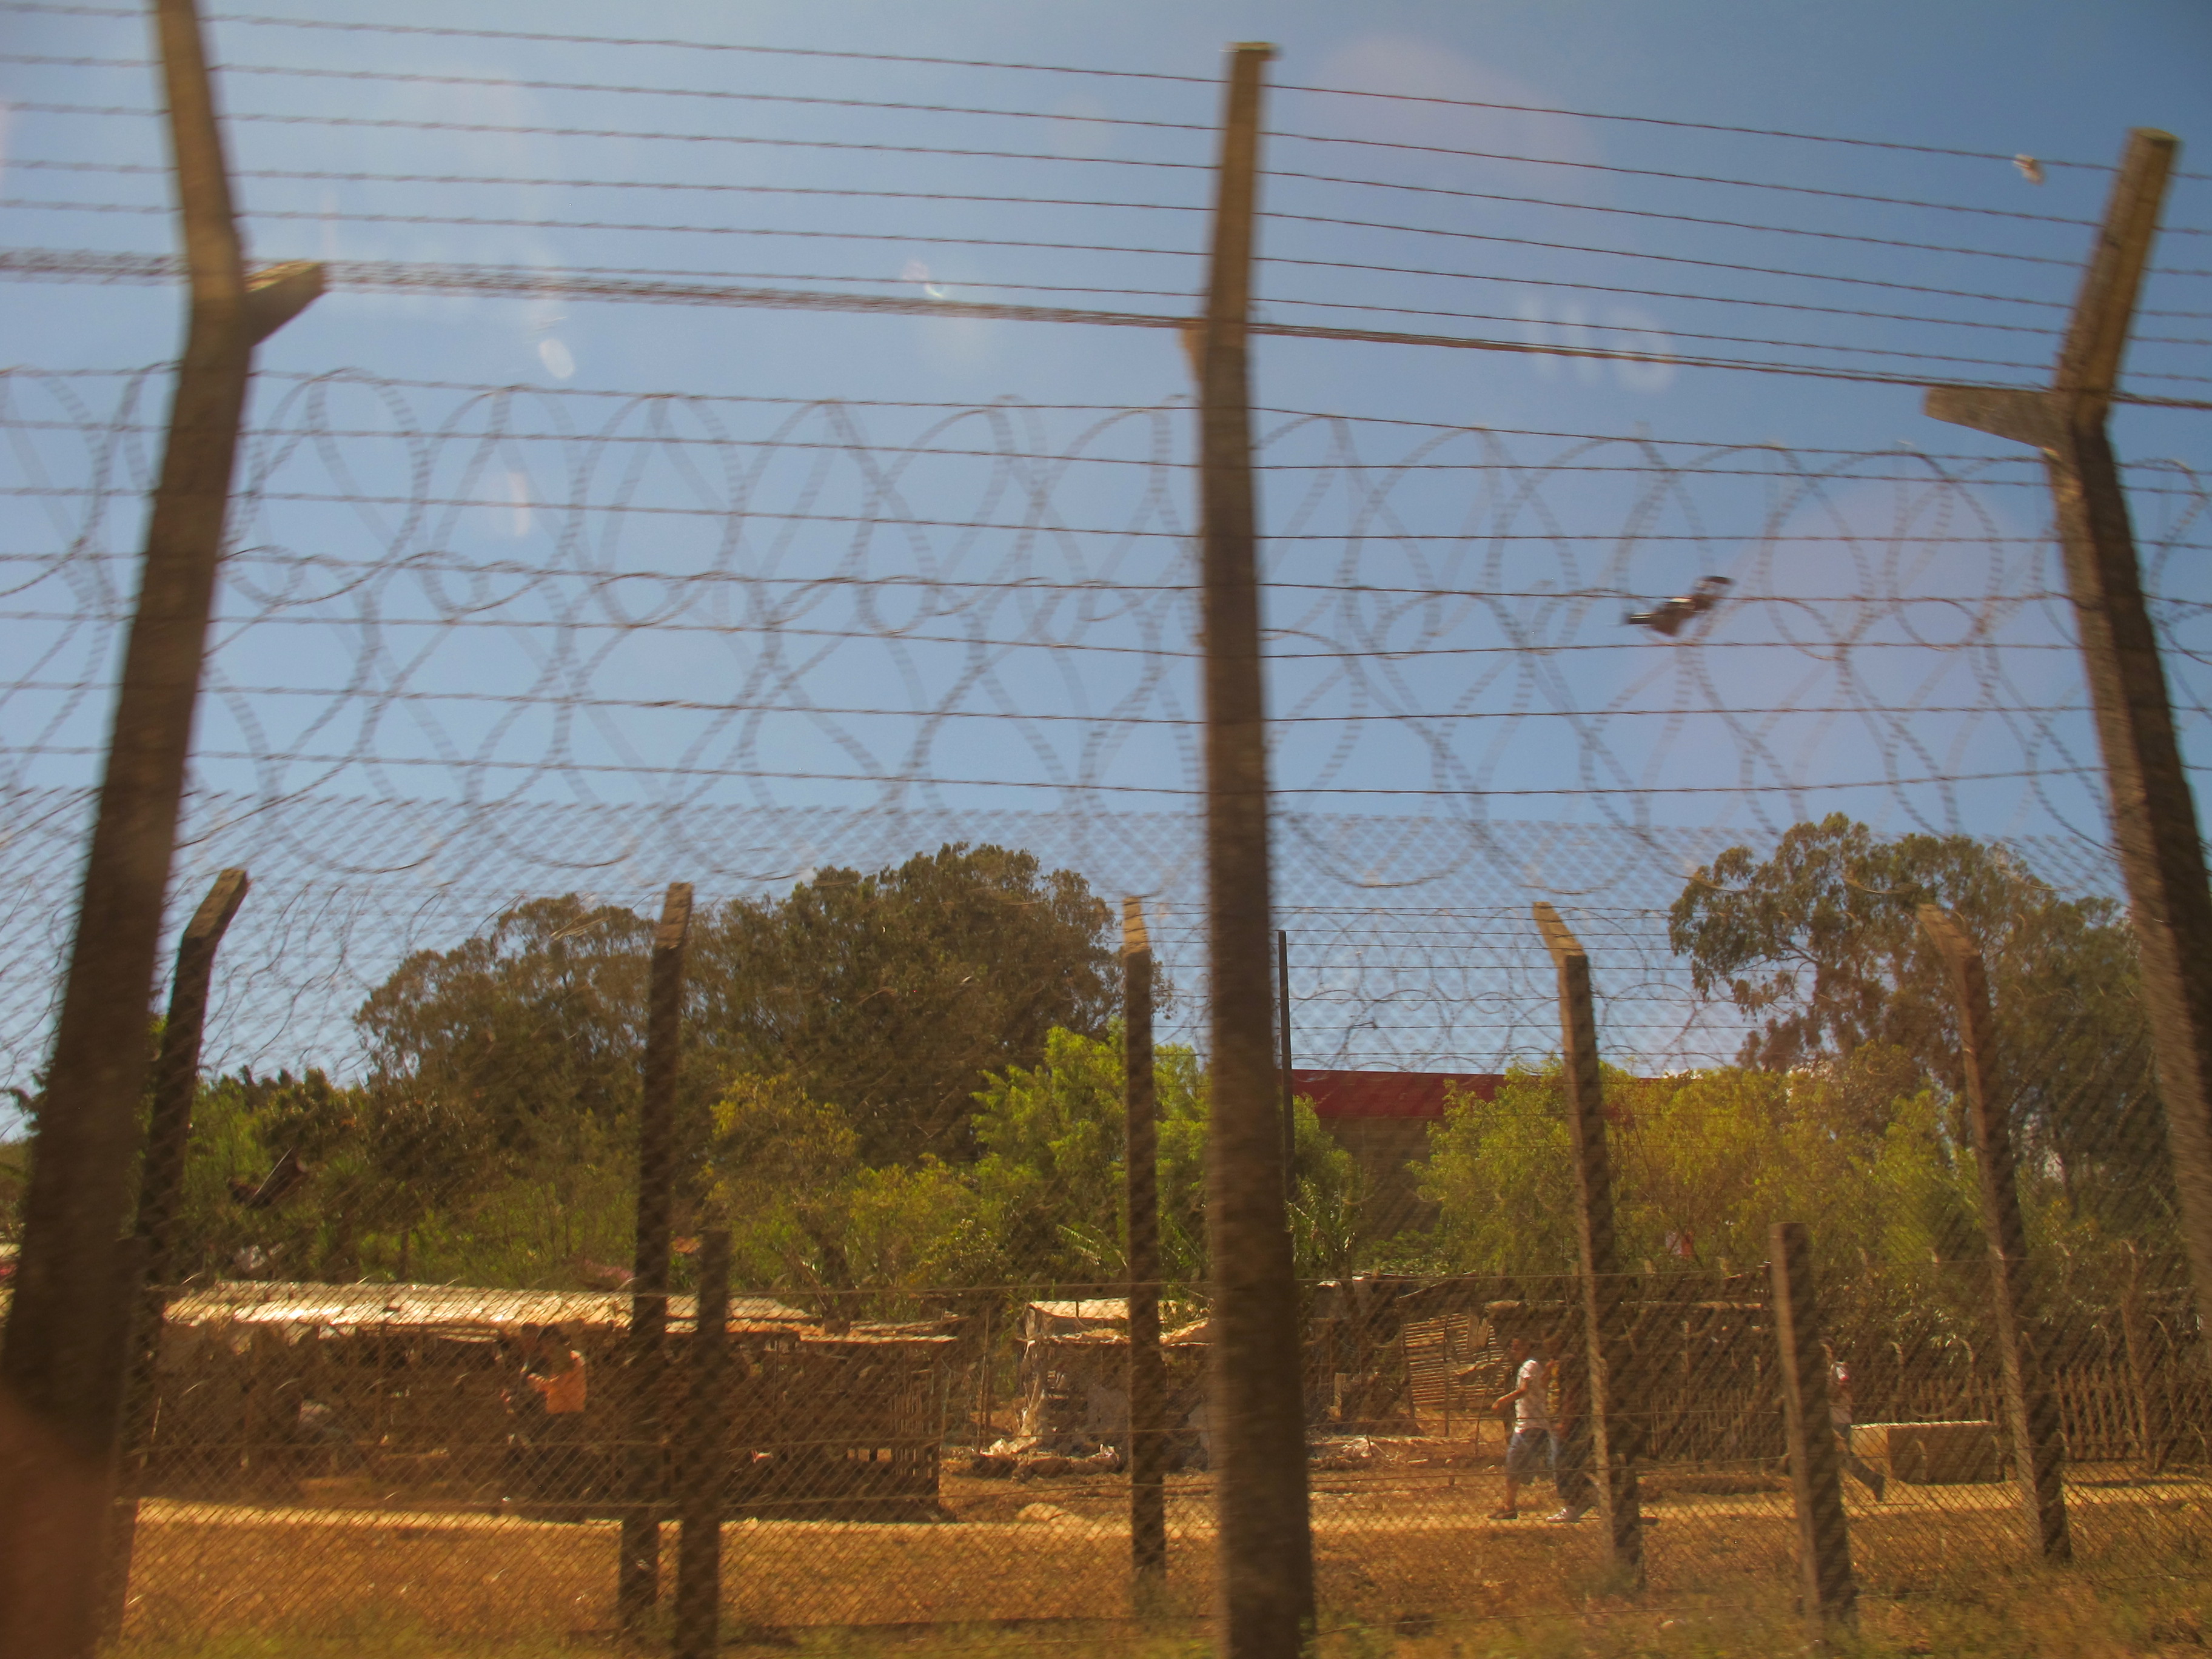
x,y
782,1169
1704,1163
892,994
1051,1173
536,1022
1819,944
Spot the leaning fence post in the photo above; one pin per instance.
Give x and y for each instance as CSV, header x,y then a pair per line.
x,y
2038,1445
1615,1441
61,1357
161,1192
705,1458
1264,1587
1816,1476
637,1584
1148,1384
2154,822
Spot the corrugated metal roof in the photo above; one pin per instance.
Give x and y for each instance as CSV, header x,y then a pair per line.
x,y
349,1307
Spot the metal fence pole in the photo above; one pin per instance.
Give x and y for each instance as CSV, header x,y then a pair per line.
x,y
1615,1442
637,1584
1265,1583
2153,813
160,1192
2038,1444
706,1460
61,1359
1148,1381
1816,1476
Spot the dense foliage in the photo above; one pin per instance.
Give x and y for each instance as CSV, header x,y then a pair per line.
x,y
912,1078
1042,1204
1820,944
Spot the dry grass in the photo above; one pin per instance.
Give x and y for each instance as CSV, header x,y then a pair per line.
x,y
1407,1566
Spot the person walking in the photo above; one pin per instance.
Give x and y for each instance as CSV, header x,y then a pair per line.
x,y
1532,1440
1839,1416
558,1380
1570,1439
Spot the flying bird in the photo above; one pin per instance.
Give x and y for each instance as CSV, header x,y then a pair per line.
x,y
2030,168
1669,616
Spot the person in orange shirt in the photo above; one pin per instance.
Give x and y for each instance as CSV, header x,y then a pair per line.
x,y
548,1453
556,1373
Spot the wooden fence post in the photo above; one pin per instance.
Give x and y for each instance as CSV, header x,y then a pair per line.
x,y
2031,1407
2145,1372
61,1358
1816,1476
1148,1382
1265,1583
160,1192
705,1466
637,1583
1616,1442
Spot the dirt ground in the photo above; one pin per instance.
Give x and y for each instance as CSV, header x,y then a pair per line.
x,y
1404,1546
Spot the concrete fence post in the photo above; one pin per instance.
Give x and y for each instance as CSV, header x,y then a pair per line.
x,y
637,1584
160,1194
1264,1581
61,1358
1816,1476
1148,1381
1615,1428
705,1466
2155,822
2031,1407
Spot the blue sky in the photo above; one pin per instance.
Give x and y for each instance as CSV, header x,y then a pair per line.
x,y
1893,628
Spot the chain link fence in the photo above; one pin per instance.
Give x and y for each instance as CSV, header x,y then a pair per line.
x,y
1706,1211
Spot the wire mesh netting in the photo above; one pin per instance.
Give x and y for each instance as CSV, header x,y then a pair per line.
x,y
908,695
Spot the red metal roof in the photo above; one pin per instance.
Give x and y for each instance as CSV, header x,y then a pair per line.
x,y
1390,1094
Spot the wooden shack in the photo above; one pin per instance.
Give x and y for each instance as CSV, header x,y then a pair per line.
x,y
413,1396
1074,1374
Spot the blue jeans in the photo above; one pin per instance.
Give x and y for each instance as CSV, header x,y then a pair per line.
x,y
1526,1448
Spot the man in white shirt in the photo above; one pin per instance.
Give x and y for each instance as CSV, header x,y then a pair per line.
x,y
1532,1444
1839,1418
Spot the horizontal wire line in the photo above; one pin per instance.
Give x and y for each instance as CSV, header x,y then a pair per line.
x,y
448,564
415,78
258,21
1077,458
725,187
1688,219
1585,207
357,378
63,265
2038,331
1744,184
394,123
683,705
2041,331
1670,334
686,137
1022,527
519,181
1641,642
932,781
350,378
935,239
